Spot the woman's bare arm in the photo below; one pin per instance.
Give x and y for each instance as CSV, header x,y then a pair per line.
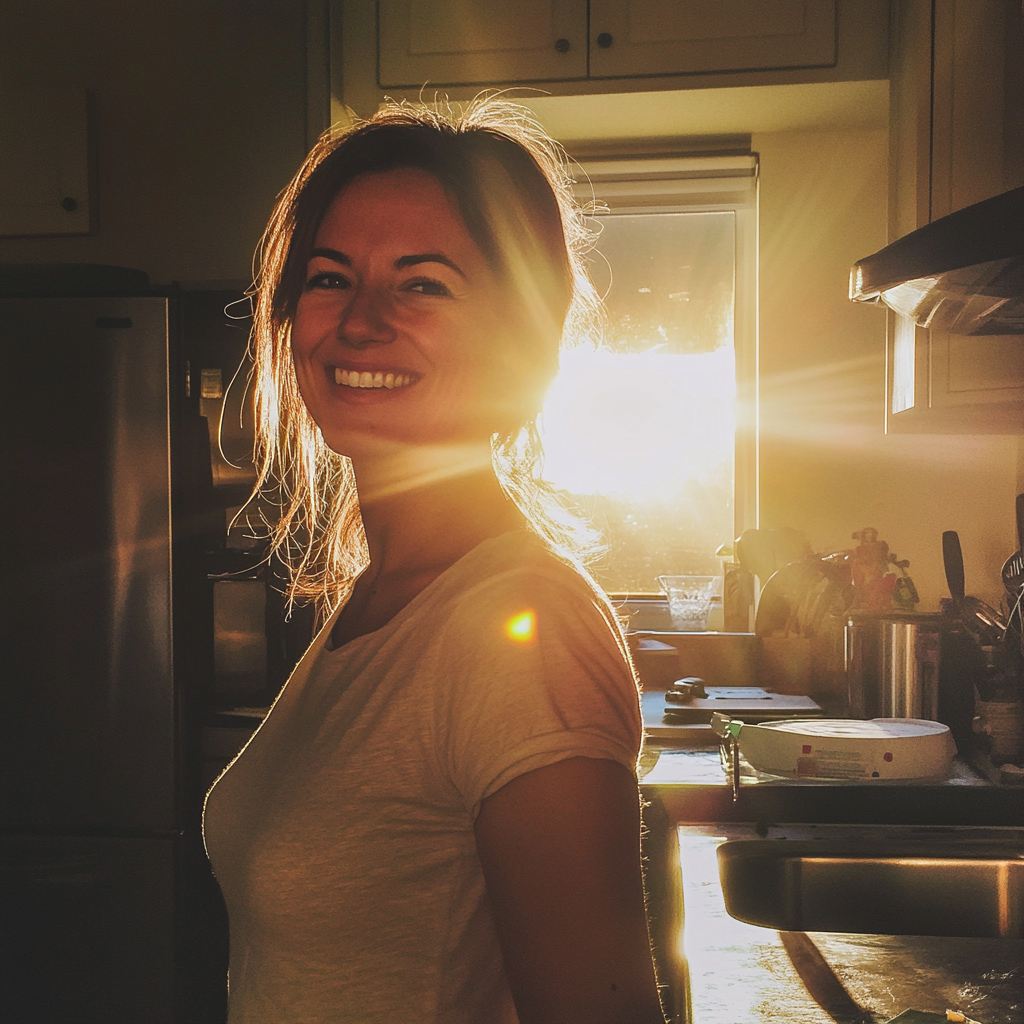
x,y
560,848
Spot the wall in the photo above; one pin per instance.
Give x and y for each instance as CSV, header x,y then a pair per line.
x,y
826,465
200,119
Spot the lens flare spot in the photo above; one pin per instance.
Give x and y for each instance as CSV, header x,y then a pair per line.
x,y
522,627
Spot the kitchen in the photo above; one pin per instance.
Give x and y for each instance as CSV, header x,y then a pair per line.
x,y
202,111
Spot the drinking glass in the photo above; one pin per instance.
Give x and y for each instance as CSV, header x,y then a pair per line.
x,y
689,600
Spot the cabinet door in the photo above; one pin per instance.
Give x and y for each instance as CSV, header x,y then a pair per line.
x,y
976,117
469,42
985,371
663,37
942,383
957,107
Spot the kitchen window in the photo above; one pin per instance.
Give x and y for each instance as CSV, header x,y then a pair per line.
x,y
652,433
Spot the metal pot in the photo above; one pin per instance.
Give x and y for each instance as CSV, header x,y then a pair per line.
x,y
892,664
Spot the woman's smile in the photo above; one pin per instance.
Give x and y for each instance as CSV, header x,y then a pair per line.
x,y
371,378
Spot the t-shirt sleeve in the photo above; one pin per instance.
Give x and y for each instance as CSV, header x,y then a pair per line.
x,y
534,673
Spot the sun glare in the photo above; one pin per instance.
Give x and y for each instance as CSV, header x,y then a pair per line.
x,y
639,434
522,627
641,425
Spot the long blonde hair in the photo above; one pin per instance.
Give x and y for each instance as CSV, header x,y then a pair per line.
x,y
511,184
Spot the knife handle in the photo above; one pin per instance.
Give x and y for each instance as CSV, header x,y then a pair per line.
x,y
953,562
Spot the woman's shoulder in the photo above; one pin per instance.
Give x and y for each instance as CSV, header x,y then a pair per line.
x,y
533,658
518,563
516,587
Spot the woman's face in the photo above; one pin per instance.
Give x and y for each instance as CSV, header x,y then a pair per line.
x,y
396,330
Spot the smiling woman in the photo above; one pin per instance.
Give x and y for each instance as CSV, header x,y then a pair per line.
x,y
439,818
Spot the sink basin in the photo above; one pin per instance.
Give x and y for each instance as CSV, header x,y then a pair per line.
x,y
896,888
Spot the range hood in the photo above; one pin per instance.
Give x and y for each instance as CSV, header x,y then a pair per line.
x,y
963,273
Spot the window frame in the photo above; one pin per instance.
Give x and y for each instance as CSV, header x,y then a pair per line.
x,y
706,183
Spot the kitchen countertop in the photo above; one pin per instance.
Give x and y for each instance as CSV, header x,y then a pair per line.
x,y
681,769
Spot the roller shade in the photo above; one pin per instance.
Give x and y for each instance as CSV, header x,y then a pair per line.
x,y
666,183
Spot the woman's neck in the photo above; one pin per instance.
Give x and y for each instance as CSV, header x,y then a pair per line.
x,y
421,514
424,508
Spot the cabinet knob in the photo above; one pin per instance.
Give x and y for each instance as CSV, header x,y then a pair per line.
x,y
604,40
562,45
69,204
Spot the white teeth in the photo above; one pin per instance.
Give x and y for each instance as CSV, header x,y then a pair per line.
x,y
366,379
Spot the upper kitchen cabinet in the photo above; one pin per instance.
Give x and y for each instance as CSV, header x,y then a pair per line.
x,y
956,138
456,42
576,47
956,106
665,37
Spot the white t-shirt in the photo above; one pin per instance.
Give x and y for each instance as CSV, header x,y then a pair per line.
x,y
342,835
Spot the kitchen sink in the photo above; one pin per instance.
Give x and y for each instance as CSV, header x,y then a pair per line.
x,y
905,887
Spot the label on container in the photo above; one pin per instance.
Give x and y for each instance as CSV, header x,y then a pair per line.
x,y
832,764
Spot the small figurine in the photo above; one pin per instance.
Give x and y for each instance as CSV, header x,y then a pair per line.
x,y
875,587
905,596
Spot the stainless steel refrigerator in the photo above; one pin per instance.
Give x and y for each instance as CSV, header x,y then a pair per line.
x,y
102,864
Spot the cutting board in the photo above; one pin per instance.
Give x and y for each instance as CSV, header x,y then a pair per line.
x,y
751,703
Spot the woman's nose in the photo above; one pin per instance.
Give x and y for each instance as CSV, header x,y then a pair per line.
x,y
367,319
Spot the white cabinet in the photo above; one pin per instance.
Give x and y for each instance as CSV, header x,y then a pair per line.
x,y
454,42
664,37
408,49
957,137
482,42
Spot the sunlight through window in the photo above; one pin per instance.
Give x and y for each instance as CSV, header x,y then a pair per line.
x,y
641,431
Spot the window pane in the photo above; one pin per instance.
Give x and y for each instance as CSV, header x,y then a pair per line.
x,y
641,433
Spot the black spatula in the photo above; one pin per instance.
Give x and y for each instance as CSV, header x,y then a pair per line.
x,y
953,562
981,619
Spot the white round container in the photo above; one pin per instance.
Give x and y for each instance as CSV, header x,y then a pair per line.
x,y
840,748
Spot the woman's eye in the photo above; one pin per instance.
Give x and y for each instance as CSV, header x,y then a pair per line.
x,y
427,286
326,279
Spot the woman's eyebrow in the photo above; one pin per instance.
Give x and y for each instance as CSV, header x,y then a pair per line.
x,y
332,254
427,257
401,263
